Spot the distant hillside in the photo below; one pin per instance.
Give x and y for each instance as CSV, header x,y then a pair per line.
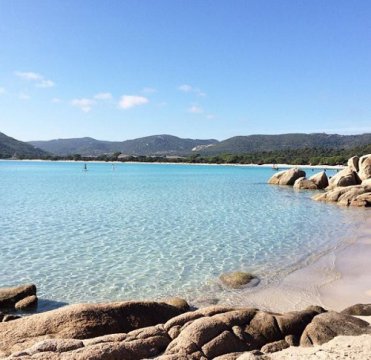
x,y
10,147
259,143
150,145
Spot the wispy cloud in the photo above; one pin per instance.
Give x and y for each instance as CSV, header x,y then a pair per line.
x,y
38,79
83,104
24,96
190,89
2,91
195,109
149,90
129,101
56,100
45,84
103,96
210,116
31,76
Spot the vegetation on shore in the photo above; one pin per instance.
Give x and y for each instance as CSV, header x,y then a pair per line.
x,y
306,156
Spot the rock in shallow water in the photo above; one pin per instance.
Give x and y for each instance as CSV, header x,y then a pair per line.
x,y
10,296
305,184
238,279
179,303
286,177
320,179
28,303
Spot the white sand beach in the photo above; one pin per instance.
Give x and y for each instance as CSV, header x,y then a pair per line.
x,y
335,281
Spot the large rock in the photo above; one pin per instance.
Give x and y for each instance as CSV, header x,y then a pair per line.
x,y
305,184
28,303
286,177
179,303
345,177
364,171
320,179
238,279
209,333
138,344
326,326
357,195
10,296
82,321
358,309
353,163
232,331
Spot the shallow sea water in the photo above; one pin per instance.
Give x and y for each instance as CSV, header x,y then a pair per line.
x,y
149,231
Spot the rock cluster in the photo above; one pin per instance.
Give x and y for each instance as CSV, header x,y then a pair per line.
x,y
297,178
142,330
22,298
350,186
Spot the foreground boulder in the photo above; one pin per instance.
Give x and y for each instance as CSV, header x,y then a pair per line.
x,y
214,332
10,296
82,321
326,326
286,177
358,309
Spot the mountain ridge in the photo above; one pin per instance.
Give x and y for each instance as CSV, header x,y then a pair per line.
x,y
159,145
163,145
10,147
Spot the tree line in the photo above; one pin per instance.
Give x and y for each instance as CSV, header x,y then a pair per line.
x,y
305,156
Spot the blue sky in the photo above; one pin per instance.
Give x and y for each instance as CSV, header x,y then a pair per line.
x,y
117,70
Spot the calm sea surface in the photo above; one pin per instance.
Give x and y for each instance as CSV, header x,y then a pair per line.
x,y
141,231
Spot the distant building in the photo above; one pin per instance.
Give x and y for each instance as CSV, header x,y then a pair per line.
x,y
125,157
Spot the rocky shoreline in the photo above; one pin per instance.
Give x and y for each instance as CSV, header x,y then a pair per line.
x,y
349,187
170,330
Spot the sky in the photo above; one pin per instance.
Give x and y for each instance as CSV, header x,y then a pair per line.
x,y
122,69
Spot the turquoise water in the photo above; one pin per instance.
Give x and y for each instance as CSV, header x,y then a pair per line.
x,y
143,231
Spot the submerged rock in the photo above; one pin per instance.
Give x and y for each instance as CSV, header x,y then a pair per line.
x,y
286,177
238,279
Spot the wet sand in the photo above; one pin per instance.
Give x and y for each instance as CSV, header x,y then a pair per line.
x,y
335,280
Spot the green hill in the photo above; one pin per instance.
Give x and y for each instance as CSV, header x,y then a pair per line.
x,y
12,148
150,145
260,143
